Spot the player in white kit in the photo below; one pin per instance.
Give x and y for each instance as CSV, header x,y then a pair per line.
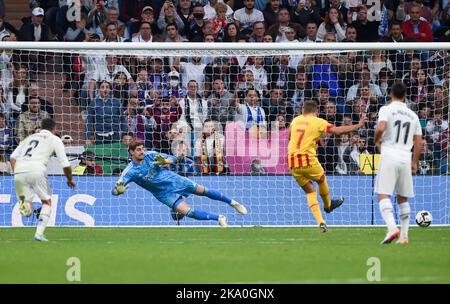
x,y
29,164
398,130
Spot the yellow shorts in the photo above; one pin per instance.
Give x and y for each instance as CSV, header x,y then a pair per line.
x,y
305,174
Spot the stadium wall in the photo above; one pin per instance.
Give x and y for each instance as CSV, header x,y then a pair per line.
x,y
271,200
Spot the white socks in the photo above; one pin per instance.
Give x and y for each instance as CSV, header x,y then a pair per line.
x,y
387,212
43,219
404,211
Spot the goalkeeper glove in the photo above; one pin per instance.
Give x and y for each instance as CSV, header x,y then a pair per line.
x,y
160,160
120,188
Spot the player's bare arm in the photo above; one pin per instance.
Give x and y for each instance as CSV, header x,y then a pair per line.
x,y
68,174
416,152
348,129
379,133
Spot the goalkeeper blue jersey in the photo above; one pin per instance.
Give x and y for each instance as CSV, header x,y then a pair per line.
x,y
167,186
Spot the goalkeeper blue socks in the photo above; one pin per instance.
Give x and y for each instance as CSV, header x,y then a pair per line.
x,y
216,195
202,215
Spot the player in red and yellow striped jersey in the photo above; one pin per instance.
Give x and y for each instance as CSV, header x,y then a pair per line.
x,y
305,132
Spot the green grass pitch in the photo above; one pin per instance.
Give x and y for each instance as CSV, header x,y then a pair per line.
x,y
214,255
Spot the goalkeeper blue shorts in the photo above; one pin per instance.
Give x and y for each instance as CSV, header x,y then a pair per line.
x,y
180,186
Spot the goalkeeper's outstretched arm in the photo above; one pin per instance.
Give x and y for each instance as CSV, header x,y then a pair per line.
x,y
119,188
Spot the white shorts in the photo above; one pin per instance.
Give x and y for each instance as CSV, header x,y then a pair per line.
x,y
394,175
30,184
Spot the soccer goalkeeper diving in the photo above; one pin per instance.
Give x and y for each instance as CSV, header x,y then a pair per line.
x,y
149,170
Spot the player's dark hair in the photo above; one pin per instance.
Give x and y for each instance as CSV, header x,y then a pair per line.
x,y
134,144
309,106
398,90
48,124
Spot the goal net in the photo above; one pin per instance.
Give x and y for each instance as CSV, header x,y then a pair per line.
x,y
224,112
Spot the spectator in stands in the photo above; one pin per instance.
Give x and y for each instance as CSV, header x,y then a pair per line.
x,y
303,91
404,11
111,34
281,75
417,28
385,81
277,105
367,31
5,140
210,149
164,118
364,76
259,74
66,29
6,26
305,13
224,69
259,28
340,6
211,9
284,20
34,92
438,100
289,35
219,103
147,15
395,32
231,33
425,166
173,86
376,62
30,120
17,90
136,119
221,19
251,114
270,12
195,32
351,35
5,144
105,121
169,15
112,16
184,10
77,31
248,82
120,88
157,78
4,106
87,165
361,149
436,126
130,10
108,72
127,138
172,34
333,23
330,113
311,32
421,89
195,109
193,70
247,16
344,149
424,115
97,15
37,30
145,33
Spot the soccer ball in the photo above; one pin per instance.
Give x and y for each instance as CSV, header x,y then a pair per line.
x,y
424,218
26,209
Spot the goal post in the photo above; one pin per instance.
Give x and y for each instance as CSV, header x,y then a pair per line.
x,y
224,110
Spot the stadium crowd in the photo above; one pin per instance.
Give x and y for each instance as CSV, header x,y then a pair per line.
x,y
181,105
